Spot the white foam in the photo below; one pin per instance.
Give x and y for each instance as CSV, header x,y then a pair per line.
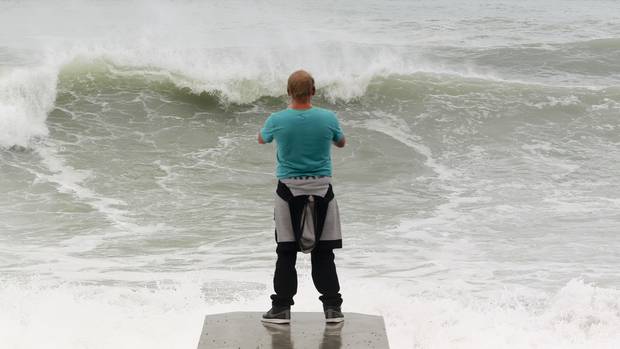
x,y
70,180
26,96
81,316
578,316
396,128
170,315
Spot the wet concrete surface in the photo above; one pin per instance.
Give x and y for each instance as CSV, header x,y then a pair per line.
x,y
241,330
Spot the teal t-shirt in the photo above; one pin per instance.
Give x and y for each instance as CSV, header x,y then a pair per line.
x,y
303,139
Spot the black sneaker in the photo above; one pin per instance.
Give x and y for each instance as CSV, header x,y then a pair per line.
x,y
278,315
333,314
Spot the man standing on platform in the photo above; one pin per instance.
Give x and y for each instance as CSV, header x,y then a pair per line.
x,y
306,212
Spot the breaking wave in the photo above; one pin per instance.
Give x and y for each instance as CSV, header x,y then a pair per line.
x,y
237,76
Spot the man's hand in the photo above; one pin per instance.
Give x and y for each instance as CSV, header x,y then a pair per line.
x,y
260,139
340,143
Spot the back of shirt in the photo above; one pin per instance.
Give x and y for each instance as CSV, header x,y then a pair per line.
x,y
303,139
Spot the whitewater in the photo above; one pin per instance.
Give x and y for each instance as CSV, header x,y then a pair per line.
x,y
479,190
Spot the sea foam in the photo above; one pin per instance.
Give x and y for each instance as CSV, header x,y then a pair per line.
x,y
578,315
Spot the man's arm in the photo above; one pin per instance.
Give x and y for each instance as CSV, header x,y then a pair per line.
x,y
337,134
265,134
341,143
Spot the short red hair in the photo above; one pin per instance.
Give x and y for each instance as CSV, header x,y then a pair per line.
x,y
300,85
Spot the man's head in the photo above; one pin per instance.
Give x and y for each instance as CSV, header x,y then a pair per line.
x,y
301,86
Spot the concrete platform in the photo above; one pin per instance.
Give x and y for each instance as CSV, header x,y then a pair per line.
x,y
244,330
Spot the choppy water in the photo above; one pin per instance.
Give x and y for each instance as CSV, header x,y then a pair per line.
x,y
479,191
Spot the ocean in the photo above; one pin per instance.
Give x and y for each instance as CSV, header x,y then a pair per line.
x,y
479,190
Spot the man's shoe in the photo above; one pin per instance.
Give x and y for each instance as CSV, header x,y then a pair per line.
x,y
333,329
333,314
278,315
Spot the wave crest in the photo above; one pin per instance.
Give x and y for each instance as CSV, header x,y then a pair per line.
x,y
232,75
26,96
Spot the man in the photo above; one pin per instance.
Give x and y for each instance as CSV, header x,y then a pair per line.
x,y
306,213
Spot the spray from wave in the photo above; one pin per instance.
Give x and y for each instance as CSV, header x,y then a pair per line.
x,y
578,316
229,52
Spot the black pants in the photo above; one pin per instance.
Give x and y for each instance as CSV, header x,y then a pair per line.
x,y
323,275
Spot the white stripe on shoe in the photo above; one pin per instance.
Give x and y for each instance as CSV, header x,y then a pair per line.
x,y
334,320
276,321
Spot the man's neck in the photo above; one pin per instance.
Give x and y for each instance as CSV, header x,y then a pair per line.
x,y
300,105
